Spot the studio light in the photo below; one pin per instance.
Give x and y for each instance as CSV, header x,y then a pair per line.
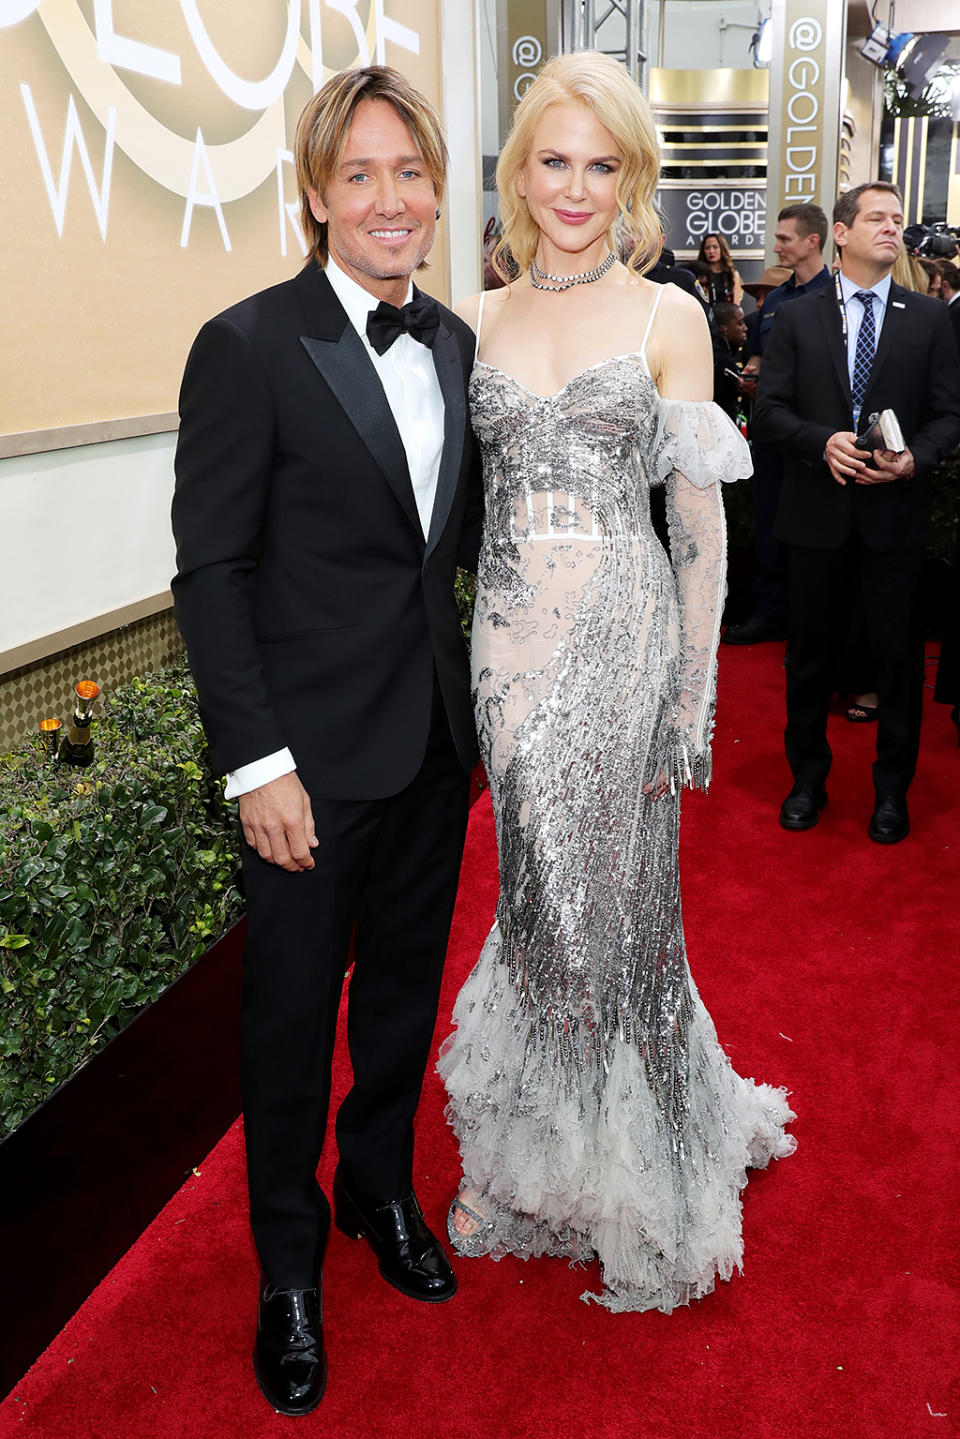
x,y
882,48
762,46
913,57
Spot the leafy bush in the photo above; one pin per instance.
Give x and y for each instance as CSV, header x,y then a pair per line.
x,y
113,879
466,591
945,507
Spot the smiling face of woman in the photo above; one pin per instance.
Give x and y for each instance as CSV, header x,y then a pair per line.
x,y
569,181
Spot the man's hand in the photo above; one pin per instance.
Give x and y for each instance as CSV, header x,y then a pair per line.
x,y
887,466
278,823
843,458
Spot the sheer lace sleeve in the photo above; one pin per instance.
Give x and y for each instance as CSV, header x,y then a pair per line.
x,y
696,446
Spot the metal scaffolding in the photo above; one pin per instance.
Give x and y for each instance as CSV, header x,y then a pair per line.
x,y
614,26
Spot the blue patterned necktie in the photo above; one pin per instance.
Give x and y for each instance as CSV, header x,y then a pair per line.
x,y
863,353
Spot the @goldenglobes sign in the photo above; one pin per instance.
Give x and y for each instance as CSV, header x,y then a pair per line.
x,y
804,104
527,54
806,74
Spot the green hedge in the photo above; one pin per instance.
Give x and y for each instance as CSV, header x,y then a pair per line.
x,y
113,879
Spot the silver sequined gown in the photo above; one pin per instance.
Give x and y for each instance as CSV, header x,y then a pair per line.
x,y
593,1104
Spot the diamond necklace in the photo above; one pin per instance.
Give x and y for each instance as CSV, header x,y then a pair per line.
x,y
565,282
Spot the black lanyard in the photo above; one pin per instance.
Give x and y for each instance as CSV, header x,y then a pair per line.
x,y
841,306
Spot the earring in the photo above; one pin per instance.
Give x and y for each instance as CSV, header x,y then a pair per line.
x,y
438,214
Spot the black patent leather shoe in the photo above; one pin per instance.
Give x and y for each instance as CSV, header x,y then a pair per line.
x,y
801,808
889,823
409,1255
754,631
289,1359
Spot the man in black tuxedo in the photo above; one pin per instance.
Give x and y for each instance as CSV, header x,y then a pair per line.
x,y
327,486
856,347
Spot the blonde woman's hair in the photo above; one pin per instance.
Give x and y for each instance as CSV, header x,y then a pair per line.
x,y
909,274
602,84
325,123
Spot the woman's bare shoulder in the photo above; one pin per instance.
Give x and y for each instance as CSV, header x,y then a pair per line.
x,y
469,310
683,312
682,308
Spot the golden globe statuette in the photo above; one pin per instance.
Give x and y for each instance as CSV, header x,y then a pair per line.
x,y
77,746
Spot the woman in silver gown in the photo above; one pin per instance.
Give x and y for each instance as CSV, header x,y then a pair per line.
x,y
597,1114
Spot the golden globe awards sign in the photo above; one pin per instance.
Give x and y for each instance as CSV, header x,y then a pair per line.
x,y
806,79
148,178
737,211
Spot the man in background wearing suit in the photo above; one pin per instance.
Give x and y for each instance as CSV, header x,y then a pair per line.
x,y
800,236
327,485
950,291
856,347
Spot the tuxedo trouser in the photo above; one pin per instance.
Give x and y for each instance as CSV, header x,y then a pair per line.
x,y
385,873
823,585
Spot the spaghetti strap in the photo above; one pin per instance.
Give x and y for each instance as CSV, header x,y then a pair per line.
x,y
653,316
476,348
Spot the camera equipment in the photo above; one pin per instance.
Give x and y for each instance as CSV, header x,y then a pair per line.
x,y
932,242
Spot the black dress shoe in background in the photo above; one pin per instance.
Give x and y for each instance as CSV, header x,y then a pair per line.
x,y
289,1359
889,823
754,631
800,809
410,1256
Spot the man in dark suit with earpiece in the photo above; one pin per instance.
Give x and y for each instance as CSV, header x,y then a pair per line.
x,y
327,486
848,516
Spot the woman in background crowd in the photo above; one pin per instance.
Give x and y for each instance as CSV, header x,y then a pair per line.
x,y
726,287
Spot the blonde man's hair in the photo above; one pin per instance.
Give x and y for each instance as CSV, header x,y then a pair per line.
x,y
325,123
601,83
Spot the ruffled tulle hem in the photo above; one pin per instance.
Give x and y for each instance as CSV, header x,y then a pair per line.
x,y
598,1162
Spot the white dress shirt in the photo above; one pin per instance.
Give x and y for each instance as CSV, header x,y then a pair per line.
x,y
410,383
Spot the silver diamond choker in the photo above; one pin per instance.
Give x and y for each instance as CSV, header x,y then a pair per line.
x,y
566,282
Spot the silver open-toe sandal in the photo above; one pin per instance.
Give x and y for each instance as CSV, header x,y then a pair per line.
x,y
481,1241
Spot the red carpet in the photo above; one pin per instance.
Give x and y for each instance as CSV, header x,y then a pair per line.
x,y
829,964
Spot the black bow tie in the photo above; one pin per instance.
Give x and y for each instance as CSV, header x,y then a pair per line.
x,y
420,318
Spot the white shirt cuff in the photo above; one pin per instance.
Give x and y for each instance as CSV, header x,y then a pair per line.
x,y
258,772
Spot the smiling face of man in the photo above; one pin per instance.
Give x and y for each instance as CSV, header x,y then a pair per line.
x,y
380,205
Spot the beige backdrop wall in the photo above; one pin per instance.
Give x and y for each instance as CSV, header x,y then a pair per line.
x,y
147,184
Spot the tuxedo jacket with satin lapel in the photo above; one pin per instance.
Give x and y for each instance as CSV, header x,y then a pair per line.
x,y
313,610
803,397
